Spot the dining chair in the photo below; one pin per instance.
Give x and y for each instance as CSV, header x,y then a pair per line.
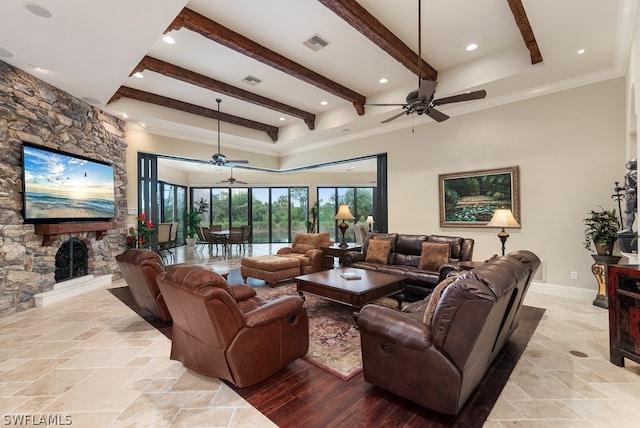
x,y
235,237
164,239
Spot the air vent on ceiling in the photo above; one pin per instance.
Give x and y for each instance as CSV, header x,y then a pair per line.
x,y
315,42
250,80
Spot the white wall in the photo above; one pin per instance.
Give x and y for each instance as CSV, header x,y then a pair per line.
x,y
570,147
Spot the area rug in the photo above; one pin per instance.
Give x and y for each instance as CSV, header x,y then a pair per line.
x,y
334,340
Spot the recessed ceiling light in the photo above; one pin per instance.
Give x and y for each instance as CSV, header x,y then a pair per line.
x,y
6,54
125,115
143,125
581,51
324,103
168,40
471,47
282,118
383,80
138,74
38,10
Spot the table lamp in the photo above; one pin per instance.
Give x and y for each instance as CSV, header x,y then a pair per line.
x,y
503,217
369,221
344,213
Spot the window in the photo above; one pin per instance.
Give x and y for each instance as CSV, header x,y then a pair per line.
x,y
359,199
275,213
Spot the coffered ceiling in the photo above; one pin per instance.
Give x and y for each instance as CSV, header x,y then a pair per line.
x,y
280,96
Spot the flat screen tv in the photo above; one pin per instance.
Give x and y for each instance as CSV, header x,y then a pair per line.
x,y
63,187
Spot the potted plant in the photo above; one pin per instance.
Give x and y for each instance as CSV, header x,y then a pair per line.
x,y
601,230
193,220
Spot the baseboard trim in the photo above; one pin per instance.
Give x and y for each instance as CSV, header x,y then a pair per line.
x,y
71,288
563,291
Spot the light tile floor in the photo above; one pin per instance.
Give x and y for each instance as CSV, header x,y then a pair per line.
x,y
92,362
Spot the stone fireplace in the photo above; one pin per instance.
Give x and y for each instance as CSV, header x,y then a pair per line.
x,y
35,112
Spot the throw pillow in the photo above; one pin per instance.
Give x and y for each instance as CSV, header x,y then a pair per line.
x,y
433,255
435,298
303,248
378,251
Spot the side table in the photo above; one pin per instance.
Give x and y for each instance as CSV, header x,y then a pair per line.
x,y
599,270
339,252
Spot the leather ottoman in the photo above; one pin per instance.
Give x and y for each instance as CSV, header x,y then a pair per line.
x,y
270,269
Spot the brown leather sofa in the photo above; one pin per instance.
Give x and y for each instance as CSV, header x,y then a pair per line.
x,y
404,259
227,331
437,360
139,268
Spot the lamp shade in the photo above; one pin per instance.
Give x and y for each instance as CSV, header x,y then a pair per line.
x,y
369,220
344,213
503,217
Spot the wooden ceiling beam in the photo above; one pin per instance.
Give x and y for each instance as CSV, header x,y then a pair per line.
x,y
358,17
148,97
212,30
188,76
522,21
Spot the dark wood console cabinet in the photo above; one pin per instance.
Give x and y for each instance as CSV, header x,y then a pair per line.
x,y
50,231
624,313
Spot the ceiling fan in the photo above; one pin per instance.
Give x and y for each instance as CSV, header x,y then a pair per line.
x,y
231,180
421,101
218,158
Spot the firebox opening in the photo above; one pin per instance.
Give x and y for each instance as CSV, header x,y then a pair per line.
x,y
72,260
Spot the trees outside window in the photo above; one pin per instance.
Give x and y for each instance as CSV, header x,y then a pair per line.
x,y
359,199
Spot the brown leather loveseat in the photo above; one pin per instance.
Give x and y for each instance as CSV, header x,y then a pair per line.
x,y
226,331
436,351
139,268
405,257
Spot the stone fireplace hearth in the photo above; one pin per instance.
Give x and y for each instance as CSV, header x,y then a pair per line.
x,y
74,261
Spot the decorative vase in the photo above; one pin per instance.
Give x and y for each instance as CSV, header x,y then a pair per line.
x,y
604,249
191,241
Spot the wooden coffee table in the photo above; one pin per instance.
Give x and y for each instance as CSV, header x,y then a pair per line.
x,y
356,293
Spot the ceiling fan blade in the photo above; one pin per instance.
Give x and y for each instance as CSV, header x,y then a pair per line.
x,y
476,95
436,115
426,90
394,117
237,161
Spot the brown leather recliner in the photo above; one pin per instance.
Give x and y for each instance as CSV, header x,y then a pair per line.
x,y
139,268
439,365
227,331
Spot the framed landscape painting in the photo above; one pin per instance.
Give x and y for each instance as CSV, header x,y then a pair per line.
x,y
468,199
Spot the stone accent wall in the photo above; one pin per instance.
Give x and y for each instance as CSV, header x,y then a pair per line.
x,y
35,112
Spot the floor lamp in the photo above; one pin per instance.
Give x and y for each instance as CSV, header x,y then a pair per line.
x,y
503,217
344,213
